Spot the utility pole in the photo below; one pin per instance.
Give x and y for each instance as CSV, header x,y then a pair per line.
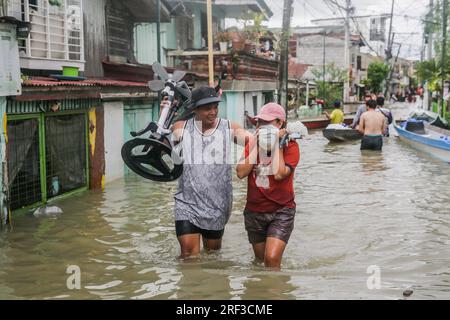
x,y
429,57
284,56
324,57
444,53
391,71
387,91
158,29
347,50
210,43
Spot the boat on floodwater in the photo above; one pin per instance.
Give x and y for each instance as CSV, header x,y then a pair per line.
x,y
427,138
341,133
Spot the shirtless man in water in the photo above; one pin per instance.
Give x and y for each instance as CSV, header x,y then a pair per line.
x,y
372,125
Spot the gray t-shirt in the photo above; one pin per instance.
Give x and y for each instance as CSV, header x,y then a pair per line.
x,y
361,109
205,192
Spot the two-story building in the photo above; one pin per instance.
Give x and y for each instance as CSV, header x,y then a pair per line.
x,y
248,81
65,130
322,45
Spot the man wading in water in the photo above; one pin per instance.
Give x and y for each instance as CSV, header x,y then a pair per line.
x,y
372,125
204,197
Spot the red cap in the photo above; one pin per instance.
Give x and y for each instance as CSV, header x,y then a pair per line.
x,y
271,111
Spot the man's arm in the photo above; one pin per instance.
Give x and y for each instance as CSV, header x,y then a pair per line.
x,y
177,131
240,135
248,159
362,124
357,119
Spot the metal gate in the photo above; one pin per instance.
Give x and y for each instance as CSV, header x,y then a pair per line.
x,y
47,156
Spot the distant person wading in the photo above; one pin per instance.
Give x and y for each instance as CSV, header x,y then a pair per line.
x,y
372,125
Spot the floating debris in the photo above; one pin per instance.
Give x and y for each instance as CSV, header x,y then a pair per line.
x,y
47,211
407,293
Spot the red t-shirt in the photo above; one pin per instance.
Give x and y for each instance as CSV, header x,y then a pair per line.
x,y
280,194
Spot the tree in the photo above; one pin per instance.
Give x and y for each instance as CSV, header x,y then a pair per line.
x,y
331,89
376,73
429,71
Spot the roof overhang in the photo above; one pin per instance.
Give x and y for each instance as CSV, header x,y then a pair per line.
x,y
233,8
145,10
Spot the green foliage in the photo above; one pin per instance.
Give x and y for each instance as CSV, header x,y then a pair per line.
x,y
414,82
253,28
429,71
376,74
332,88
57,3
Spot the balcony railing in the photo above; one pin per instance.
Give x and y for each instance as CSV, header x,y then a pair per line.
x,y
230,66
56,32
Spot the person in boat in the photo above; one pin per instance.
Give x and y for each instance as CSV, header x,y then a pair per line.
x,y
372,125
203,200
361,109
269,168
337,116
386,113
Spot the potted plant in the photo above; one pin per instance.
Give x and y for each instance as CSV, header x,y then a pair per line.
x,y
253,30
238,41
222,37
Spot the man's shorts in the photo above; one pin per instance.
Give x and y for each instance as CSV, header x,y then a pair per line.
x,y
372,142
278,224
184,227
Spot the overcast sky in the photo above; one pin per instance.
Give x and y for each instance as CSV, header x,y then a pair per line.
x,y
306,10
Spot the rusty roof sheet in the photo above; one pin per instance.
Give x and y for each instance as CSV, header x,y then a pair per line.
x,y
49,82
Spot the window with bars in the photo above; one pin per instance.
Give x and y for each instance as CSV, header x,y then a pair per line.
x,y
56,29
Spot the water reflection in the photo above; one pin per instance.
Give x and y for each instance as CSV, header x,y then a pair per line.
x,y
354,210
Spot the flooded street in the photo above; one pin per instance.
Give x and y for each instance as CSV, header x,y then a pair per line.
x,y
354,210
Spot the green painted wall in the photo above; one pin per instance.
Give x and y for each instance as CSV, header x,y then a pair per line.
x,y
171,35
229,106
2,156
197,10
145,36
136,116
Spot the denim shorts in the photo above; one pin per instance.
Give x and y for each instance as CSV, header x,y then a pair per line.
x,y
278,224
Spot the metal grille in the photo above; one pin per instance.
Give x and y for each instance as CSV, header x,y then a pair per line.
x,y
56,28
65,138
24,162
23,107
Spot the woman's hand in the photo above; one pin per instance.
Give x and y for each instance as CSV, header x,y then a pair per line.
x,y
282,133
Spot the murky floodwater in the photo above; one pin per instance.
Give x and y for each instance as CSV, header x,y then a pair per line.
x,y
354,210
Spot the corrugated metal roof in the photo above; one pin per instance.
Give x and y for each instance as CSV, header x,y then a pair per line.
x,y
297,70
49,82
